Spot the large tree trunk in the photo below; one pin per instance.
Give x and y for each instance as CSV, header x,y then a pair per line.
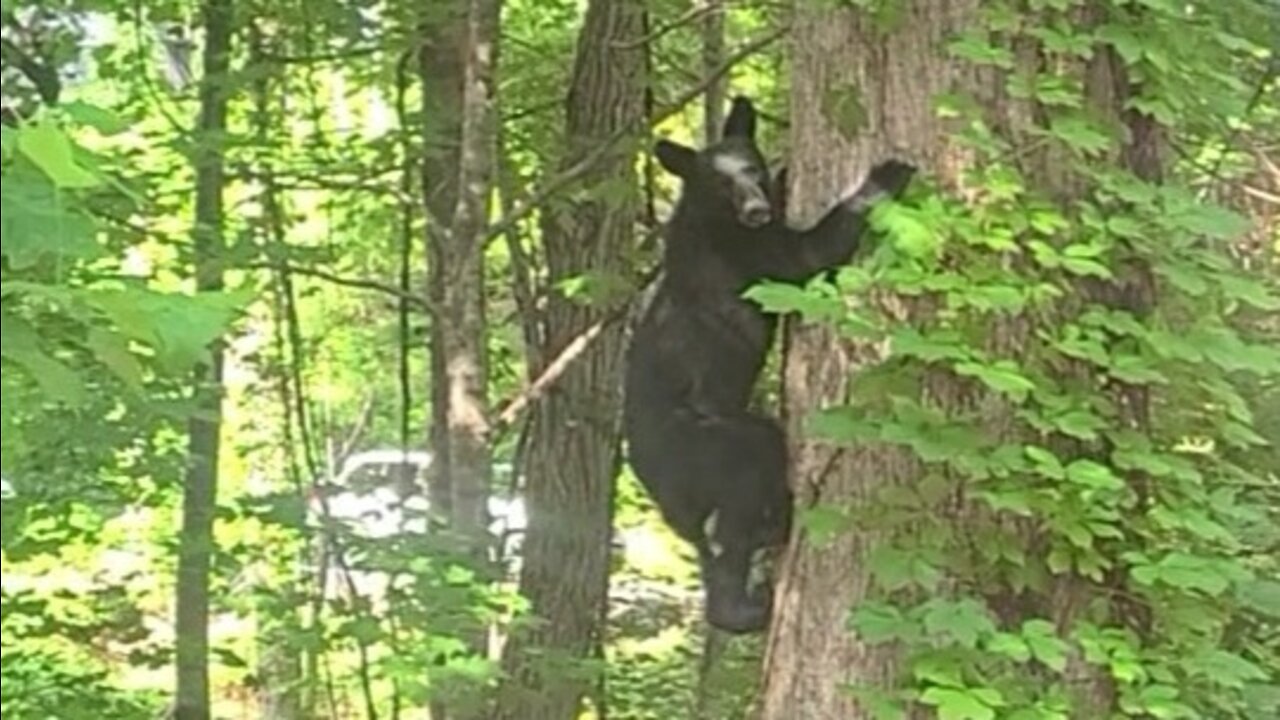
x,y
894,77
574,440
845,65
200,491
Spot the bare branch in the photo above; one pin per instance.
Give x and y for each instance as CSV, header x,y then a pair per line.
x,y
691,16
358,283
335,56
1261,194
572,351
45,78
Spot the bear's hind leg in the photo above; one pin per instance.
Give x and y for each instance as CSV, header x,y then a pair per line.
x,y
745,471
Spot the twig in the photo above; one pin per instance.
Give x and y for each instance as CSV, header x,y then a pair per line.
x,y
1261,194
335,56
571,352
359,283
42,76
554,370
691,16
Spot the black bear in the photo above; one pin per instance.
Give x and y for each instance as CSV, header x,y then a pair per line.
x,y
717,470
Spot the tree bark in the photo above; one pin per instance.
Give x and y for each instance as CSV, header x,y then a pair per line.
x,y
574,439
441,68
716,97
458,65
463,330
812,658
200,492
893,76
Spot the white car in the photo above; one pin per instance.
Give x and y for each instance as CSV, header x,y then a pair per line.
x,y
382,493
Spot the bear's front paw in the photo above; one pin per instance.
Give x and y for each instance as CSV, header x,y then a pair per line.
x,y
892,176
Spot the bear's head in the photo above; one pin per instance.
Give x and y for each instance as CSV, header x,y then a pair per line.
x,y
731,176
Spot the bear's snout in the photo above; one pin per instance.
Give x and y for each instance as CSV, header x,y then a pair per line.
x,y
755,214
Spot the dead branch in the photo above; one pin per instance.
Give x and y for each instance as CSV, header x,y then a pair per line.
x,y
358,283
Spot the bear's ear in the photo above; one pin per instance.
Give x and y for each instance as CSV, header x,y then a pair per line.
x,y
742,119
676,158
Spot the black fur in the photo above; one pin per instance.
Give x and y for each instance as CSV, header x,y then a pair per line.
x,y
699,348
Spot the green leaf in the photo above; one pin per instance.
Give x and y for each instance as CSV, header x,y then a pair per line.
x,y
958,704
20,343
1018,502
1208,220
1065,41
1227,669
37,222
180,328
880,623
113,352
786,298
1136,370
1003,376
1241,435
1263,701
1262,596
912,232
100,119
1047,648
364,630
843,425
1084,348
51,150
896,569
995,298
1085,267
1184,276
1122,38
1080,134
1249,291
1093,475
964,621
1161,701
881,704
825,522
1046,463
1010,646
1079,424
937,345
978,50
1189,572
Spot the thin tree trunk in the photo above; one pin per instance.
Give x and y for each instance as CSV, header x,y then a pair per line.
x,y
195,545
714,642
462,309
441,69
574,439
716,97
459,358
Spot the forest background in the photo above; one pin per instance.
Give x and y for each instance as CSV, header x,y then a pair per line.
x,y
248,242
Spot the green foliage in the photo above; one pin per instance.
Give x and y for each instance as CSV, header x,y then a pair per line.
x,y
1161,525
42,685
